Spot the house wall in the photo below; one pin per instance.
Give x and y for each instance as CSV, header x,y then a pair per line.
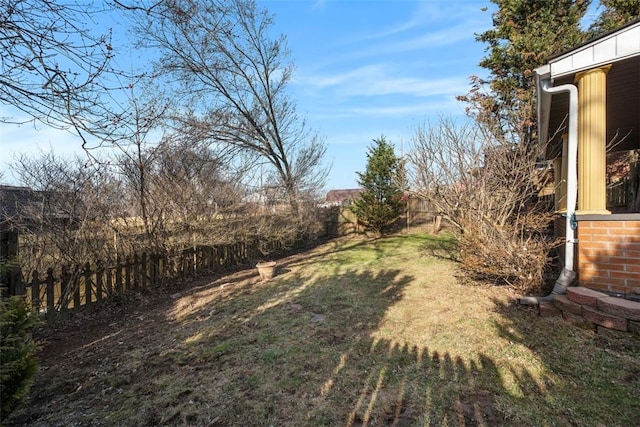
x,y
609,253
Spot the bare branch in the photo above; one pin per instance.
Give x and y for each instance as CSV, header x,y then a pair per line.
x,y
53,64
233,77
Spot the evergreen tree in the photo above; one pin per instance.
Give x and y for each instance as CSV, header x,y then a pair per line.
x,y
525,34
381,204
18,363
614,14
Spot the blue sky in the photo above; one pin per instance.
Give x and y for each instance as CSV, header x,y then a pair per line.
x,y
363,69
371,68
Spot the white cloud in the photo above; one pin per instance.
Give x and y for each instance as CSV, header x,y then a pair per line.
x,y
412,86
425,15
427,40
441,38
383,114
405,110
319,4
437,44
381,80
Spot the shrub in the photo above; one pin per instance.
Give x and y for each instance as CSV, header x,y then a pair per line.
x,y
18,362
516,254
489,189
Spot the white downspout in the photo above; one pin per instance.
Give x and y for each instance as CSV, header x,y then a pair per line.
x,y
568,275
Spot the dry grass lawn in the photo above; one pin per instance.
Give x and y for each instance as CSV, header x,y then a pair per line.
x,y
355,332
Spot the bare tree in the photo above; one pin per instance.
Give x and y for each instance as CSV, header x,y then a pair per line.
x,y
136,139
195,182
234,78
53,64
64,219
489,190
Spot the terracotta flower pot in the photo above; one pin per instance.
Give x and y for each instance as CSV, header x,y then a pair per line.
x,y
266,270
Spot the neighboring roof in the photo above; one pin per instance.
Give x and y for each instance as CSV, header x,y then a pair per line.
x,y
338,196
22,204
13,201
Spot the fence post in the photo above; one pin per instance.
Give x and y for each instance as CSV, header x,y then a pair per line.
x,y
164,266
143,271
184,262
192,260
88,286
118,275
64,289
99,283
35,290
153,273
236,253
108,272
8,254
127,273
197,259
16,281
77,302
216,256
50,294
136,271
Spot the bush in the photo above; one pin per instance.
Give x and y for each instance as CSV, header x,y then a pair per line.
x,y
18,362
489,189
516,254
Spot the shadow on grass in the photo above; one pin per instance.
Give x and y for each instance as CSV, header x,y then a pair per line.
x,y
589,378
441,246
303,350
402,386
298,350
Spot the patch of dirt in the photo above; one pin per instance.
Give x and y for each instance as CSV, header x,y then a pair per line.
x,y
135,311
124,318
82,357
91,344
476,409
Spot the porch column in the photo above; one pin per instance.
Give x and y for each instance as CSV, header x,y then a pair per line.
x,y
592,135
560,177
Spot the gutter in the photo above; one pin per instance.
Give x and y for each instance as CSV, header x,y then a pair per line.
x,y
568,275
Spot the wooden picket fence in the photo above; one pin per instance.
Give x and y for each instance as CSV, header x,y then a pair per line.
x,y
59,292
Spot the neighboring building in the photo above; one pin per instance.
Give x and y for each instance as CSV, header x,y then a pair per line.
x,y
15,202
341,197
267,200
604,77
21,207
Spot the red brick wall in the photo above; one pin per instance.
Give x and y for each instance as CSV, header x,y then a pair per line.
x,y
609,254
